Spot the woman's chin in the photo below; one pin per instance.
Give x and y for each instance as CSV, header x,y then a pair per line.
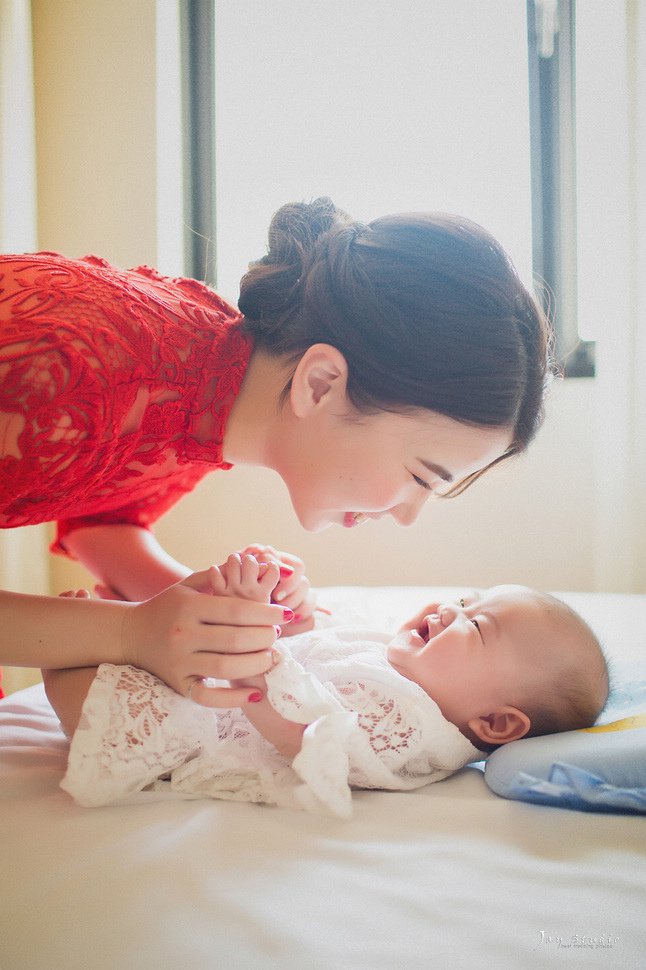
x,y
315,521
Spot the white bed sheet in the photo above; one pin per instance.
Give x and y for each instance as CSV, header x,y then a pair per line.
x,y
447,876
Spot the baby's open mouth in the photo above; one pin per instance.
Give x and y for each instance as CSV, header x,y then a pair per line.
x,y
431,624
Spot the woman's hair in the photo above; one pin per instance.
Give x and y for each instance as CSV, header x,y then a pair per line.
x,y
426,308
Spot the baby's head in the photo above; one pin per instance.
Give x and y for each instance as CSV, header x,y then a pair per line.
x,y
505,664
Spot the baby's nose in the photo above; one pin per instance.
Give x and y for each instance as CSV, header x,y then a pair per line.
x,y
449,612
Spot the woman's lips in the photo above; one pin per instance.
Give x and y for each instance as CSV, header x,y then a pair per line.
x,y
350,519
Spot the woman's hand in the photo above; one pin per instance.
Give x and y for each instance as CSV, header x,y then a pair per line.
x,y
293,589
188,633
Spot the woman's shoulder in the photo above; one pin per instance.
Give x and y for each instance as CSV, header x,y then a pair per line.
x,y
48,269
191,289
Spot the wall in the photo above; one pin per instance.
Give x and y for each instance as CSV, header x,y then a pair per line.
x,y
529,522
94,66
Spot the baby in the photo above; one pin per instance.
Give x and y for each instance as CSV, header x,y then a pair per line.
x,y
346,707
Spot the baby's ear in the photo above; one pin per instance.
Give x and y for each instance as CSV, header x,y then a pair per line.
x,y
507,724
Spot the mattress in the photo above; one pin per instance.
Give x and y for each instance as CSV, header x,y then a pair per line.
x,y
450,875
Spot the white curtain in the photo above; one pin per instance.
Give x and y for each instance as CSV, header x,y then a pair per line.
x,y
23,552
611,166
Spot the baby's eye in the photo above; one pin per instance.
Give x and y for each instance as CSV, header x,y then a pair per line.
x,y
477,626
422,483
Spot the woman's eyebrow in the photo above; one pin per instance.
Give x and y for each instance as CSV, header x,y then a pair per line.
x,y
436,469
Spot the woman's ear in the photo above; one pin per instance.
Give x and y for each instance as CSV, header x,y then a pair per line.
x,y
507,724
320,380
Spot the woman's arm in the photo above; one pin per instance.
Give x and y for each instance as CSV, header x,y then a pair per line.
x,y
181,635
125,558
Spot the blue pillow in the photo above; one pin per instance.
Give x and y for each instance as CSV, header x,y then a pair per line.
x,y
600,769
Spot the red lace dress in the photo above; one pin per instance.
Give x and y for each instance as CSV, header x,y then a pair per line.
x,y
115,388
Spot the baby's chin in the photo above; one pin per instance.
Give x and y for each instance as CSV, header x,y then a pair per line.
x,y
401,650
407,640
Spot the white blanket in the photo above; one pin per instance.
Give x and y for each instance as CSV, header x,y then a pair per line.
x,y
448,875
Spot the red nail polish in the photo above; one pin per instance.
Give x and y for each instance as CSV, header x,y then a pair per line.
x,y
288,614
297,617
286,571
278,631
254,697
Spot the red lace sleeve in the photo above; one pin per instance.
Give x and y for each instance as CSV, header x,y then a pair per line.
x,y
115,388
143,512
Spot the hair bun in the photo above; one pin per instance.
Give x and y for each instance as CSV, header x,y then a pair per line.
x,y
296,226
272,281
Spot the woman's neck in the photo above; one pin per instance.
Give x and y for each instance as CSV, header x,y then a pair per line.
x,y
255,418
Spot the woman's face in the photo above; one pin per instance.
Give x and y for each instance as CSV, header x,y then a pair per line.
x,y
344,468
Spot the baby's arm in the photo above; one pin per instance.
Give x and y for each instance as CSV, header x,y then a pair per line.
x,y
293,588
67,689
244,576
286,736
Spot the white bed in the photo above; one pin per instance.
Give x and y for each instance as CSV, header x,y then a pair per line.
x,y
447,876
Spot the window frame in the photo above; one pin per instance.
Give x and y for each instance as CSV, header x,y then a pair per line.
x,y
552,116
552,127
197,44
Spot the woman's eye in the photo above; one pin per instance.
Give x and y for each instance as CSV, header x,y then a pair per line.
x,y
422,483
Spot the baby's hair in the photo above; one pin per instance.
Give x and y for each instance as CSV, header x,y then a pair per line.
x,y
426,308
577,697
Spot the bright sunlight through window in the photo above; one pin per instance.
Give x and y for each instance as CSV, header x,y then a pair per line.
x,y
384,105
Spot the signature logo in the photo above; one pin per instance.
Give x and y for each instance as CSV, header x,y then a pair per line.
x,y
579,941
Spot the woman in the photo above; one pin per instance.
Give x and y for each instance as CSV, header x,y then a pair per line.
x,y
370,366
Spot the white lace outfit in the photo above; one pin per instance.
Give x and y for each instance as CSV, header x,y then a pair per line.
x,y
368,727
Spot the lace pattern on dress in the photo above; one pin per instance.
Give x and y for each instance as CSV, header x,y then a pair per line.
x,y
133,729
115,388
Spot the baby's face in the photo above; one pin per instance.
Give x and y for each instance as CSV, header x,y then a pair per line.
x,y
475,659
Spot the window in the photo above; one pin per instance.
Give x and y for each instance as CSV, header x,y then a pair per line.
x,y
552,112
386,105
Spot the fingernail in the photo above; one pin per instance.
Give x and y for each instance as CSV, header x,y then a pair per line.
x,y
275,657
297,617
254,697
278,631
280,596
288,614
286,571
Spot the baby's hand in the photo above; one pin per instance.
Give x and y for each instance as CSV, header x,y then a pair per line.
x,y
244,576
293,589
